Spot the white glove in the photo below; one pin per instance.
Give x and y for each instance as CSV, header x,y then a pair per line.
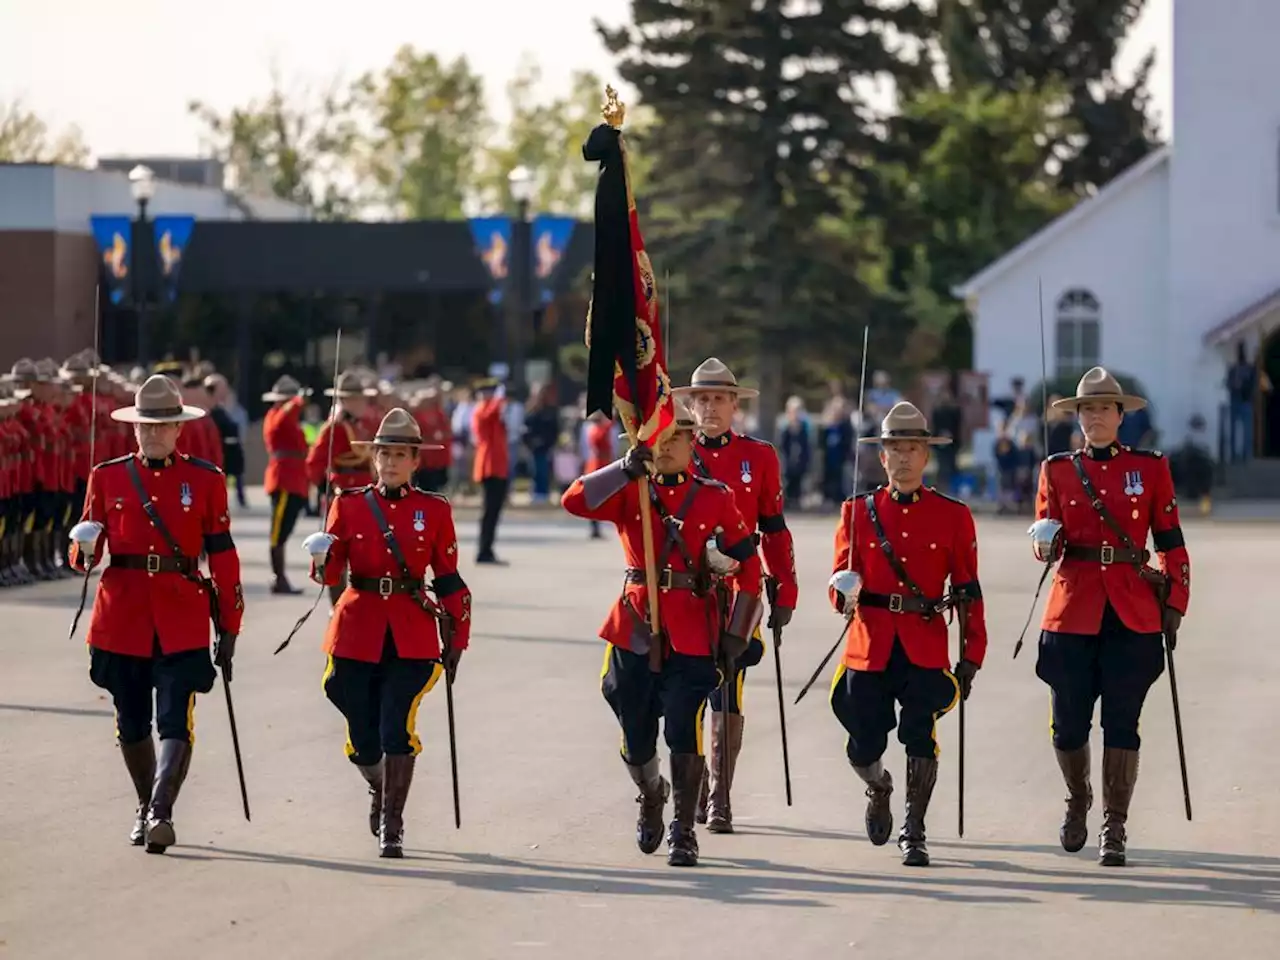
x,y
1046,540
847,585
86,534
318,544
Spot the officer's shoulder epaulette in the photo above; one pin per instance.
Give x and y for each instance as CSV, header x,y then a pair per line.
x,y
343,491
113,461
1065,455
1155,454
709,482
947,496
202,463
751,439
431,493
862,493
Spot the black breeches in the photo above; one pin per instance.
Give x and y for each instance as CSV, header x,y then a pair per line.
x,y
285,508
380,702
1116,664
639,697
863,702
175,678
737,685
495,494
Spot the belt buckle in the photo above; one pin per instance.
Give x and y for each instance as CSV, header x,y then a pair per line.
x,y
895,603
153,563
385,585
664,580
1107,555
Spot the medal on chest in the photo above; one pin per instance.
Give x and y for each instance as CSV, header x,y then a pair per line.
x,y
419,521
746,471
185,496
1133,484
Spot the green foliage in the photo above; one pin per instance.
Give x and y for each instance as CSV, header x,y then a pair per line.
x,y
25,138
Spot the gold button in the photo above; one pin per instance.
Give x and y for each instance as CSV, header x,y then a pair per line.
x,y
1103,492
1073,503
1135,514
933,546
904,533
1104,566
153,499
905,511
1104,466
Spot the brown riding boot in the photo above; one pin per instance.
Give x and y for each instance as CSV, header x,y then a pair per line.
x,y
654,791
704,797
879,815
922,774
140,759
171,771
397,775
373,776
1075,766
279,581
726,738
686,779
1119,775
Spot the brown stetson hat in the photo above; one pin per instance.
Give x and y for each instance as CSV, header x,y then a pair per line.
x,y
905,422
714,376
1098,386
286,388
158,400
398,429
350,385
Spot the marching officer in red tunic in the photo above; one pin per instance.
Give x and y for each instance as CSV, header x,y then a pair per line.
x,y
1107,610
385,644
350,468
689,515
286,477
749,467
894,550
155,512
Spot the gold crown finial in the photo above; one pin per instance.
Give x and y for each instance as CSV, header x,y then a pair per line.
x,y
613,110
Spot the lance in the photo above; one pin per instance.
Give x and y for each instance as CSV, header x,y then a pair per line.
x,y
93,434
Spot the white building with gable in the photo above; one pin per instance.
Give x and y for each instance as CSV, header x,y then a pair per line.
x,y
1173,264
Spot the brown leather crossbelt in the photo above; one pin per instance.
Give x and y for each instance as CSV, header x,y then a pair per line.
x,y
1106,555
668,579
898,603
385,586
155,563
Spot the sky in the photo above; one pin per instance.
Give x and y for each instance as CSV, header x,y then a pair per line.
x,y
125,71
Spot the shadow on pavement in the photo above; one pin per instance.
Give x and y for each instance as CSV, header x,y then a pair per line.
x,y
66,711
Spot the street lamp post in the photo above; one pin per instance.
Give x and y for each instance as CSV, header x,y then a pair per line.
x,y
142,184
520,181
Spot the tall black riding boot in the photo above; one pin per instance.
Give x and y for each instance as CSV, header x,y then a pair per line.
x,y
1119,775
1075,773
396,777
654,790
922,774
879,815
279,581
171,770
686,780
140,759
373,776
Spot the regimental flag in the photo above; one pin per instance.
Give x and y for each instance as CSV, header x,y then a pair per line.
x,y
627,365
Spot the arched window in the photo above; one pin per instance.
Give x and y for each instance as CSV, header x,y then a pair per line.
x,y
1078,333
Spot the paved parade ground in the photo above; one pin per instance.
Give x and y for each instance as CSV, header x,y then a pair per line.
x,y
545,864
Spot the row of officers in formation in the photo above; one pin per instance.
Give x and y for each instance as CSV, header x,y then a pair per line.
x,y
905,560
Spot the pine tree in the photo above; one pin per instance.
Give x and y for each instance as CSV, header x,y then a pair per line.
x,y
762,138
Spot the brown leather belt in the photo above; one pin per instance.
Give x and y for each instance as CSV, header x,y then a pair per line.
x,y
1105,555
385,586
898,602
668,579
347,471
155,563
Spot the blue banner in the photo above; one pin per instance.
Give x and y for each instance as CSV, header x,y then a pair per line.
x,y
114,235
172,234
492,237
551,237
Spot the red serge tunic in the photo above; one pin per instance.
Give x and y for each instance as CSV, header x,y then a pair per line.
x,y
134,606
423,526
934,538
690,622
